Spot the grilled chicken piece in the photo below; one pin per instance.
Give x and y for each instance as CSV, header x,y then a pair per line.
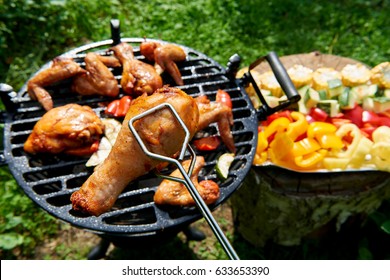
x,y
61,69
98,79
210,112
174,193
70,129
165,56
137,77
161,133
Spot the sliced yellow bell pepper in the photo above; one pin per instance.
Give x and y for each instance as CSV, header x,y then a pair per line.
x,y
381,155
381,134
320,128
305,146
277,125
354,131
310,160
332,163
330,141
358,157
298,127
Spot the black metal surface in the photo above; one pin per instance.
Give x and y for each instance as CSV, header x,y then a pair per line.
x,y
49,180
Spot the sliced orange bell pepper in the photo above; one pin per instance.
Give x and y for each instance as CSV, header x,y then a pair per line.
x,y
298,127
281,145
262,142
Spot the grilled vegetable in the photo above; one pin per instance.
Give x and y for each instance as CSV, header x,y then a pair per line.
x,y
223,164
300,75
380,75
322,76
355,74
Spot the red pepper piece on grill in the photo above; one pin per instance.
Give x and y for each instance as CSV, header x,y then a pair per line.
x,y
119,107
224,98
207,143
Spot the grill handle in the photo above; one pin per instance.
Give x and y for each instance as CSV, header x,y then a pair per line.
x,y
7,93
281,76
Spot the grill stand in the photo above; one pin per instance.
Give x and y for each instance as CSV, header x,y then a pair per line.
x,y
100,251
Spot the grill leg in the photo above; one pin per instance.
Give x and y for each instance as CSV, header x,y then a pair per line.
x,y
99,251
193,233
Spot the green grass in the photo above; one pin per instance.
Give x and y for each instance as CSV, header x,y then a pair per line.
x,y
33,32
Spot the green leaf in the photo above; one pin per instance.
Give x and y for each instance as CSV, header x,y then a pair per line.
x,y
9,241
386,226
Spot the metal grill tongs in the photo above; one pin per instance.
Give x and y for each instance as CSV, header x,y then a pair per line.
x,y
186,181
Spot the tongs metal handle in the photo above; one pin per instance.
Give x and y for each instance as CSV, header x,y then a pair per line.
x,y
186,180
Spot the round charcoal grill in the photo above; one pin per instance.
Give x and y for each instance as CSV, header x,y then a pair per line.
x,y
49,180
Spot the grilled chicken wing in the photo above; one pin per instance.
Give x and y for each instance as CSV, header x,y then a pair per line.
x,y
98,79
70,129
174,193
161,133
137,77
165,56
210,112
61,69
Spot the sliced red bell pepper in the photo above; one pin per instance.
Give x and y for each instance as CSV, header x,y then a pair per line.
x,y
281,114
374,119
367,130
355,115
318,114
339,121
207,143
224,98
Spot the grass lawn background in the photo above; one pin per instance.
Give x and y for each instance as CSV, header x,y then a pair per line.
x,y
34,32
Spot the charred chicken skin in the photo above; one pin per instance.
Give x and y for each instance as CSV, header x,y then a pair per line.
x,y
165,56
174,193
61,69
137,77
70,129
127,161
98,79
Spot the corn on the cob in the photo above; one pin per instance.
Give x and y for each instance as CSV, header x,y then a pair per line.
x,y
322,75
300,75
380,75
355,74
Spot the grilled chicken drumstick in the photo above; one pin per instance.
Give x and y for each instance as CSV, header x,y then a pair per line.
x,y
165,56
137,77
161,133
70,129
174,193
61,69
